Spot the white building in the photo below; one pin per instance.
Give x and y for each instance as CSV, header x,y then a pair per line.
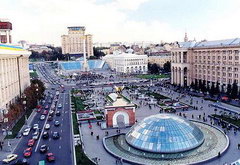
x,y
14,75
73,43
127,62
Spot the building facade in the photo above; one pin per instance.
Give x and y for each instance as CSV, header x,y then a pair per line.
x,y
14,75
76,41
5,31
127,62
212,61
160,58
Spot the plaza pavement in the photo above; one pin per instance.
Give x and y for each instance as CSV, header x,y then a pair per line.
x,y
94,148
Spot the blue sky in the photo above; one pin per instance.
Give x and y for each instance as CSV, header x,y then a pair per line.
x,y
123,20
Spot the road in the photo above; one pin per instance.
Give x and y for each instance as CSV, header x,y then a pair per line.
x,y
62,147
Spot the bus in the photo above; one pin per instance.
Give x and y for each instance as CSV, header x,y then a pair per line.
x,y
42,162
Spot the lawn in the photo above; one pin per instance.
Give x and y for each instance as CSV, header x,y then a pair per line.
x,y
152,76
157,96
81,158
228,119
78,103
75,124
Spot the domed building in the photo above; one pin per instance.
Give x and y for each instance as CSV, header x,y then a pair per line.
x,y
167,139
165,133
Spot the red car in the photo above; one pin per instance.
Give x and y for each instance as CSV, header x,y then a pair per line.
x,y
39,110
27,152
50,157
45,112
31,142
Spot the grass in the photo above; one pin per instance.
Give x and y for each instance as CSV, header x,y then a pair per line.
x,y
78,103
75,124
81,158
228,119
157,96
152,76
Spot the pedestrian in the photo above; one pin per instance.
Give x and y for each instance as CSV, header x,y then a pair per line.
x,y
91,133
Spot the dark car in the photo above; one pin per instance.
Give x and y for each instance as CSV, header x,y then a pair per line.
x,y
50,157
21,162
45,135
44,148
56,123
55,135
50,118
58,113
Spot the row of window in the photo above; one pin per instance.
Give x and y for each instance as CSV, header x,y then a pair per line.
x,y
235,69
213,78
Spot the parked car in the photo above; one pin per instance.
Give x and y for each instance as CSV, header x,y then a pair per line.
x,y
45,112
26,131
10,158
19,135
50,118
55,135
27,152
50,157
59,106
44,148
31,142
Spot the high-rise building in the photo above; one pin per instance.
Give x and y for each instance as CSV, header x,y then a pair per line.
x,y
73,43
14,69
5,31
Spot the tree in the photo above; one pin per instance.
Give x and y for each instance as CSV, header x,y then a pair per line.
x,y
167,66
208,87
153,68
217,89
234,91
97,52
229,89
212,89
192,85
200,84
196,84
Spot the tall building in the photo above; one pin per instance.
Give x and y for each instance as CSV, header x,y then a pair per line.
x,y
14,75
14,69
209,61
5,31
73,43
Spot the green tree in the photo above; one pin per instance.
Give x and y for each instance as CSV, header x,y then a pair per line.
x,y
229,89
234,91
217,89
167,66
212,89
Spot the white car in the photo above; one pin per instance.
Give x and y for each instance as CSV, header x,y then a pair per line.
x,y
26,131
35,135
35,126
42,117
59,105
10,158
47,126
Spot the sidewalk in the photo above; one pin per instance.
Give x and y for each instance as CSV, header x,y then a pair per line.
x,y
10,145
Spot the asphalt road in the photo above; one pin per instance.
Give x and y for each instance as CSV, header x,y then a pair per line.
x,y
62,147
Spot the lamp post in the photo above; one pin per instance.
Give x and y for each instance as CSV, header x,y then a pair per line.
x,y
25,106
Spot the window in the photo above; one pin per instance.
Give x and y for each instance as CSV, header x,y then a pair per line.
x,y
230,57
236,75
236,57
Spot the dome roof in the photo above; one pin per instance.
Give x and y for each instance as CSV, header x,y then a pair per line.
x,y
165,133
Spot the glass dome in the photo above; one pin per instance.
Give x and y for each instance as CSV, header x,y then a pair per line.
x,y
165,133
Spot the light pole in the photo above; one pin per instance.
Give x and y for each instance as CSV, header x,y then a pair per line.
x,y
25,106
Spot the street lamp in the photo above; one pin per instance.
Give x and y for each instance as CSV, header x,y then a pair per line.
x,y
25,107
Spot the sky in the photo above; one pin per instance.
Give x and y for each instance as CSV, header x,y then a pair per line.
x,y
44,21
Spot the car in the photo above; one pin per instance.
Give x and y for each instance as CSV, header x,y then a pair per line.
x,y
45,135
10,158
55,135
35,126
50,118
51,113
35,135
27,152
21,162
44,148
45,112
42,117
59,106
47,126
58,113
46,107
56,123
49,101
50,157
31,142
26,131
39,110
